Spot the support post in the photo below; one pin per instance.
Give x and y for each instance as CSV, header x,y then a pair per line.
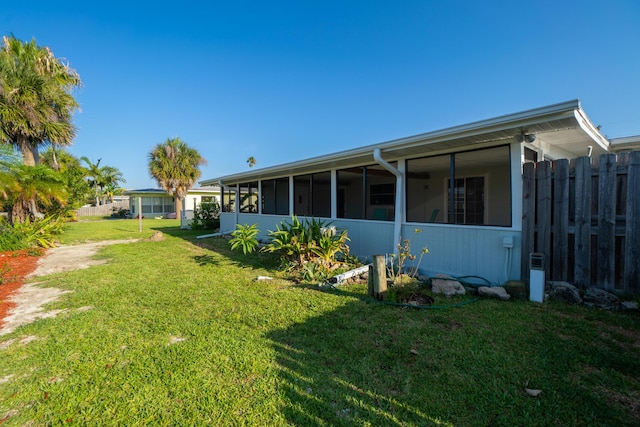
x,y
378,280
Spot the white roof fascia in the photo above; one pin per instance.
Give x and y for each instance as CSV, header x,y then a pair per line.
x,y
587,126
509,121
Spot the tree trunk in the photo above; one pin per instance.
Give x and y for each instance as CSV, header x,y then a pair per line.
x,y
178,206
27,151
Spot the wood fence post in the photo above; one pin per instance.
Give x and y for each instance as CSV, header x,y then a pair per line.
x,y
543,212
606,251
559,269
582,249
378,288
632,230
528,218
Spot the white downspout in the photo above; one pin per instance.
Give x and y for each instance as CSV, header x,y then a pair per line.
x,y
399,210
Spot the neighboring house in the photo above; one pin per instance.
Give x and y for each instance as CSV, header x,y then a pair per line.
x,y
157,203
461,185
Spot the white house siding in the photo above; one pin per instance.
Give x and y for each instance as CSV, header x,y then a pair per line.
x,y
464,250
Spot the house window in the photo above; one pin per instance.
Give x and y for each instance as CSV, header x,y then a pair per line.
x,y
469,200
481,192
206,199
312,195
249,197
228,200
366,192
275,196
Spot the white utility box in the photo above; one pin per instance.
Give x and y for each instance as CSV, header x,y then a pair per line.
x,y
536,277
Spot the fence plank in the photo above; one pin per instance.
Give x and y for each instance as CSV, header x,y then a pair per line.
x,y
632,232
543,212
560,219
528,218
582,247
606,222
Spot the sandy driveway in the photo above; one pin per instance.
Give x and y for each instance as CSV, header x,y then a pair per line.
x,y
31,298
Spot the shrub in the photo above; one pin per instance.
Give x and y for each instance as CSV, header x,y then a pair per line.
x,y
206,216
245,237
39,232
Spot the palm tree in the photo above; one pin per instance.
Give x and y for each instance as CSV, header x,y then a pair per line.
x,y
175,166
111,179
251,161
32,185
94,177
36,105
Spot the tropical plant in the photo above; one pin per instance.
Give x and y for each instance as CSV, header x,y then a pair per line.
x,y
36,104
245,237
73,175
175,166
206,216
308,240
30,189
104,180
40,232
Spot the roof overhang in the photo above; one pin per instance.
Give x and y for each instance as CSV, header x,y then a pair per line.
x,y
563,125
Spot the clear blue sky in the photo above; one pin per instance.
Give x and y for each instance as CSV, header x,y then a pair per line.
x,y
287,80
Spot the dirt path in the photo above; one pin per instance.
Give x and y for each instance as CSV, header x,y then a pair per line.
x,y
30,298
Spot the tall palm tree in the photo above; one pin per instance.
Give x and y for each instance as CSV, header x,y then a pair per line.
x,y
94,177
36,105
175,166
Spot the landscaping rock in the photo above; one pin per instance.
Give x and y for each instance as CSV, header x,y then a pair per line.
x,y
563,291
629,305
156,236
446,285
600,298
494,292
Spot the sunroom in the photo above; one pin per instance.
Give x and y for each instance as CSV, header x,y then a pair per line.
x,y
460,186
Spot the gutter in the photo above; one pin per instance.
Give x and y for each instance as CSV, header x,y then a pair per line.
x,y
399,209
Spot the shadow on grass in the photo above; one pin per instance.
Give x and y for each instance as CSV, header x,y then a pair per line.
x,y
355,373
367,364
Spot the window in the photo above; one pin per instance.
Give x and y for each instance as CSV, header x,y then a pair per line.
x,y
249,197
469,200
275,196
481,192
228,200
312,195
206,199
366,192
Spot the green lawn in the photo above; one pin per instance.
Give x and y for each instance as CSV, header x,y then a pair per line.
x,y
179,332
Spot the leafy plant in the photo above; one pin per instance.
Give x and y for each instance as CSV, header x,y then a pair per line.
x,y
40,232
308,240
396,269
314,272
206,216
245,237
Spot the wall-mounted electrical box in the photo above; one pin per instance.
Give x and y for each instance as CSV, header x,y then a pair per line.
x,y
507,242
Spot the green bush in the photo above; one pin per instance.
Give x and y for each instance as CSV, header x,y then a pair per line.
x,y
206,216
39,232
245,237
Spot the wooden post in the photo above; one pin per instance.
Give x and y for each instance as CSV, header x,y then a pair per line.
x,y
582,248
528,218
139,214
632,229
606,250
560,220
378,280
543,212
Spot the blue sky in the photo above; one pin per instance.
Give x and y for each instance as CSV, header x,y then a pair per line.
x,y
287,80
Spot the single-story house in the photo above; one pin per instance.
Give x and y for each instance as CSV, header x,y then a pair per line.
x,y
155,202
462,186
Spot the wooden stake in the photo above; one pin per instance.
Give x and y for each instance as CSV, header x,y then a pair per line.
x,y
378,280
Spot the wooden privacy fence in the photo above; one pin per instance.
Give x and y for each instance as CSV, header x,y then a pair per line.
x,y
106,209
585,218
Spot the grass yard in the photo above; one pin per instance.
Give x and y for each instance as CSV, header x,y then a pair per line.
x,y
179,332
